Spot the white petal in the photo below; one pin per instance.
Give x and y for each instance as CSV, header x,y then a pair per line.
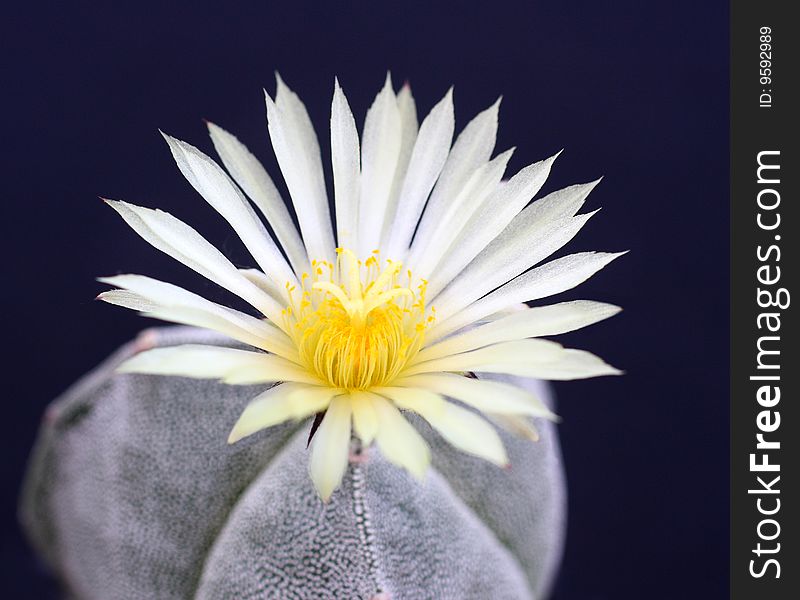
x,y
504,312
330,448
518,425
346,170
471,150
562,203
365,417
424,402
221,193
380,151
526,323
408,115
470,433
172,303
399,442
514,251
297,150
462,428
498,358
252,177
572,364
273,340
267,285
427,159
551,278
489,220
427,252
486,396
175,238
283,402
409,127
127,299
229,365
535,233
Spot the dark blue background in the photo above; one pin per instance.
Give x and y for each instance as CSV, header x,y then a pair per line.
x,y
635,91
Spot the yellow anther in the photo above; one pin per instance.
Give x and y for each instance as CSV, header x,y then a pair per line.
x,y
357,330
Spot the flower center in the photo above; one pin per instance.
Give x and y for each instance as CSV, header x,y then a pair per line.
x,y
356,324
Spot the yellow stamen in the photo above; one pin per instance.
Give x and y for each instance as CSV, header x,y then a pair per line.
x,y
356,328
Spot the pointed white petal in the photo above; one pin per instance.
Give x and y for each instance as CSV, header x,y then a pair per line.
x,y
127,299
408,115
427,252
221,193
169,302
409,127
497,358
470,433
526,323
486,396
283,402
551,278
175,238
380,151
572,364
502,313
532,235
520,426
229,365
462,428
424,402
560,204
489,220
297,150
267,285
252,177
471,150
399,442
345,156
330,448
272,340
514,251
427,159
365,418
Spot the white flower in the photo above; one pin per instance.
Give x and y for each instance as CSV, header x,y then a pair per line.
x,y
409,302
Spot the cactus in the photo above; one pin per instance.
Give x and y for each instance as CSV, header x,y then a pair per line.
x,y
133,493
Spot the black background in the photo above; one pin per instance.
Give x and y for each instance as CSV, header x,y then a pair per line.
x,y
635,91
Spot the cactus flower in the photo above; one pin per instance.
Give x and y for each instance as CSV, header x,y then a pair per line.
x,y
393,306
